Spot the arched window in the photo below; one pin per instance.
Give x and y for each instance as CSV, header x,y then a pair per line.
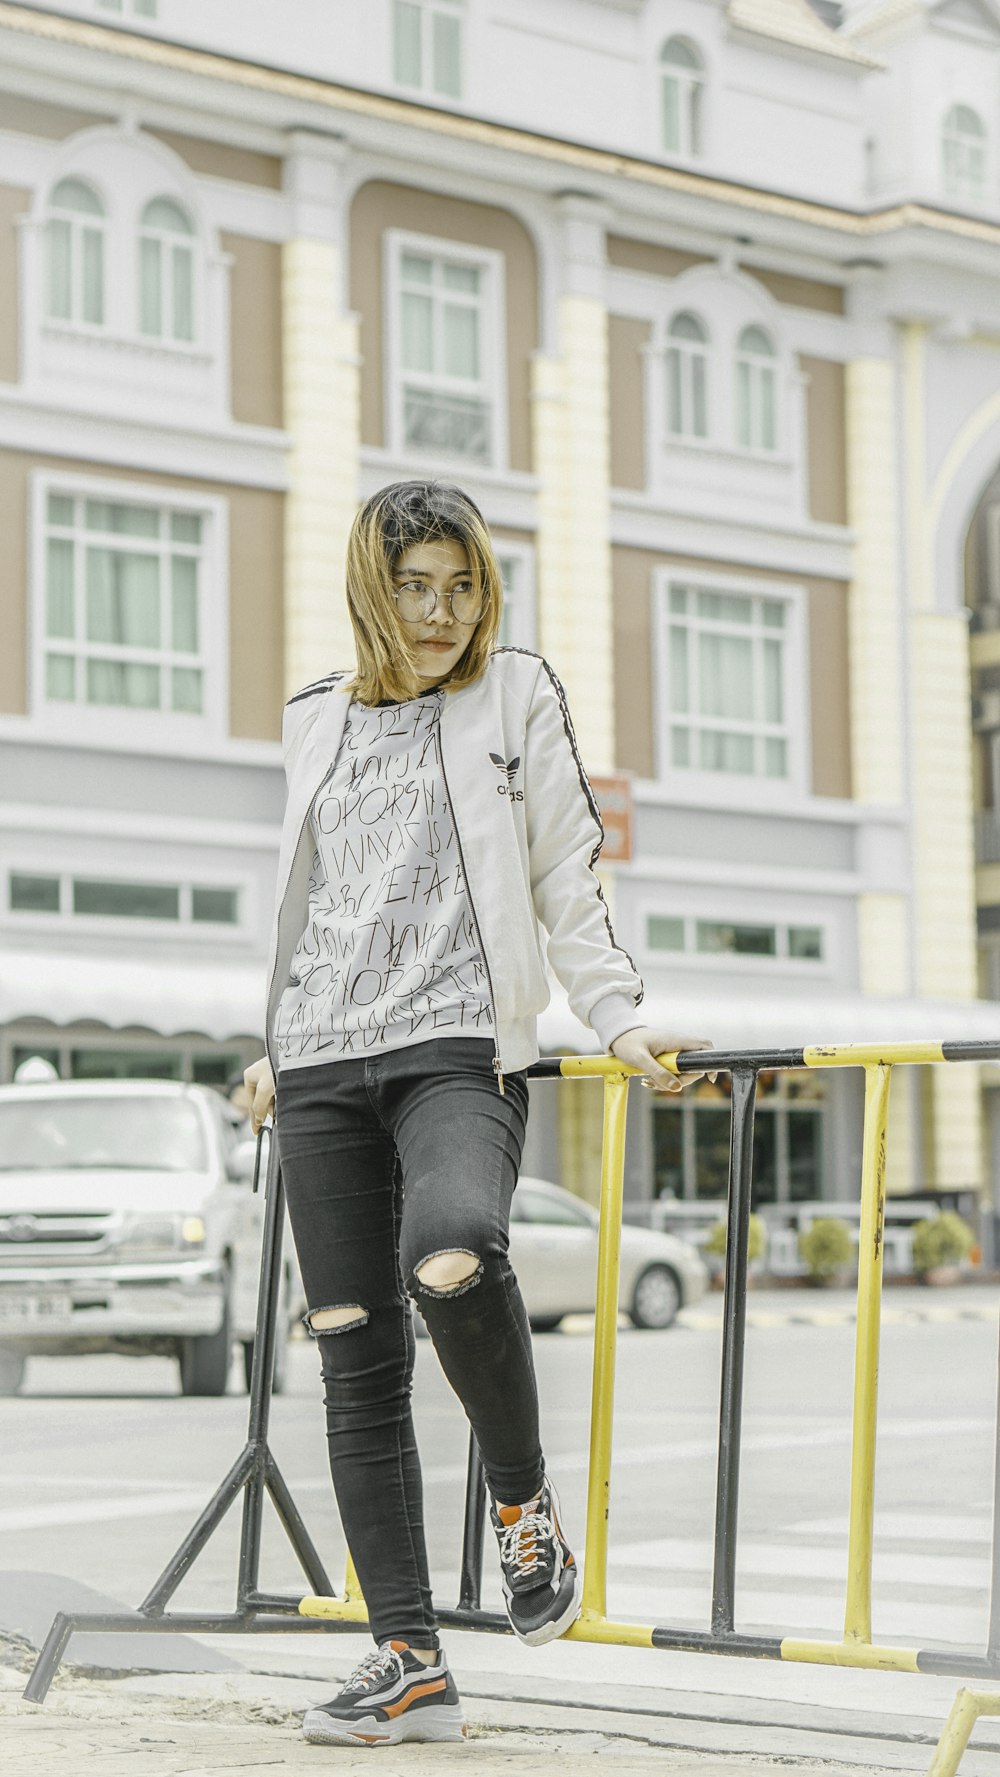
x,y
756,390
964,146
687,377
166,271
682,76
75,250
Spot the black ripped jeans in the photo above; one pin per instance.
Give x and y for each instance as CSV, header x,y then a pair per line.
x,y
388,1161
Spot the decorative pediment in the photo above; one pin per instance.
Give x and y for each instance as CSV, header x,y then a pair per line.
x,y
795,25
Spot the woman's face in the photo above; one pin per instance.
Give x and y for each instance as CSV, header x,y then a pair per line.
x,y
441,566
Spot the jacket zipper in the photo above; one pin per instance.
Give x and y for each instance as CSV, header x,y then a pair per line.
x,y
497,1069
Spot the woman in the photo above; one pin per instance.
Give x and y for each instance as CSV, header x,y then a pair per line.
x,y
438,816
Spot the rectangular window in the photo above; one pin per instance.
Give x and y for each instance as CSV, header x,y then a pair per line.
x,y
446,346
33,894
664,933
124,602
517,624
725,680
127,900
720,937
713,937
427,46
111,898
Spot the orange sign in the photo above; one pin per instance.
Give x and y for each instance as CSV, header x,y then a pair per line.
x,y
614,799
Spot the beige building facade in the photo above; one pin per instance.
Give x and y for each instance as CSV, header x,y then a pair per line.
x,y
738,440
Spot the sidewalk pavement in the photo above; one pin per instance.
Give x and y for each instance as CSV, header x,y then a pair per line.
x,y
637,1710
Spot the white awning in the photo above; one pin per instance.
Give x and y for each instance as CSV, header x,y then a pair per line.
x,y
214,998
223,999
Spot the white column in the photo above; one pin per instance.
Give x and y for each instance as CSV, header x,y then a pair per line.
x,y
322,413
572,461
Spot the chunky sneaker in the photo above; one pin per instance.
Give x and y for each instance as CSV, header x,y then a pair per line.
x,y
390,1696
541,1581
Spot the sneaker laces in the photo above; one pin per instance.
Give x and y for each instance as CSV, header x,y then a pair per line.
x,y
383,1663
521,1544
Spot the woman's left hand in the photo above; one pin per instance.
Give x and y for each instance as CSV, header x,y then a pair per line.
x,y
640,1047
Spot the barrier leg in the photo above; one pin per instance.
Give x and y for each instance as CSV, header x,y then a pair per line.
x,y
733,1341
858,1608
595,1572
965,1711
470,1590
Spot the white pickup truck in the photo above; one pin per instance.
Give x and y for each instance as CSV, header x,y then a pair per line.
x,y
128,1224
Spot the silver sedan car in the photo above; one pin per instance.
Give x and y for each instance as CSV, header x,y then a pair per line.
x,y
553,1249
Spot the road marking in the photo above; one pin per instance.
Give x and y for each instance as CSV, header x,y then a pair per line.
x,y
806,1561
97,1511
702,1320
940,1527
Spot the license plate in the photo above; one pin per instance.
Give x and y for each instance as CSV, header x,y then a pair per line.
x,y
18,1309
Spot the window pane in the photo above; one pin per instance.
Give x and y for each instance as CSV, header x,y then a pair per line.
x,y
744,423
185,527
406,43
678,598
671,90
60,275
418,332
724,607
773,690
775,758
129,521
123,598
184,625
680,746
93,276
675,398
712,1152
215,906
186,690
447,55
59,587
461,277
144,9
150,287
768,409
461,341
183,293
127,900
664,933
678,669
725,752
805,941
60,509
805,1155
34,894
163,213
416,269
60,678
73,194
725,676
715,936
773,613
699,396
122,684
668,1151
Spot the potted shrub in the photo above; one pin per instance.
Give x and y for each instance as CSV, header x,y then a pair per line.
x,y
827,1250
940,1243
715,1248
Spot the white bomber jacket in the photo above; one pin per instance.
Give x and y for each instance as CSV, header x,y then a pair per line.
x,y
529,834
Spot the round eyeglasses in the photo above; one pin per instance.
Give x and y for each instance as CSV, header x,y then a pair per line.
x,y
416,603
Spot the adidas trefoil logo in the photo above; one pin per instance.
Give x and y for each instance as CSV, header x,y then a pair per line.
x,y
509,767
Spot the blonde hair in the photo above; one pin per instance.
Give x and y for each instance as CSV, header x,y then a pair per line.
x,y
388,524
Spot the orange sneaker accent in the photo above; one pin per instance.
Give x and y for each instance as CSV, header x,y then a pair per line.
x,y
420,1690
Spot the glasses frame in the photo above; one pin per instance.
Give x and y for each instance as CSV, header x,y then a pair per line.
x,y
431,601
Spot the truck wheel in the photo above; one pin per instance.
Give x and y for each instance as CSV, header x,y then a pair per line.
x,y
205,1362
280,1378
11,1369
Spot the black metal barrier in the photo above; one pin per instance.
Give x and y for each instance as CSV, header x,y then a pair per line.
x,y
255,1472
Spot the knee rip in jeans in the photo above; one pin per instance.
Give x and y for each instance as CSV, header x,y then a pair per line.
x,y
448,1273
335,1320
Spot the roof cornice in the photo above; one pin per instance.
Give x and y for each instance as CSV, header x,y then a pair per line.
x,y
564,155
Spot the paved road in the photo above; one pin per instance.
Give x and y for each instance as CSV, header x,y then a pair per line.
x,y
104,1442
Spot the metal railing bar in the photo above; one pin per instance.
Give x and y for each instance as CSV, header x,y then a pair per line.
x,y
471,1584
733,1349
858,1602
605,1341
993,1633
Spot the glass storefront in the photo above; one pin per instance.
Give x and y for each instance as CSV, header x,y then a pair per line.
x,y
691,1141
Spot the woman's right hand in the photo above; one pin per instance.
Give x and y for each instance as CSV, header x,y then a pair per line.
x,y
259,1082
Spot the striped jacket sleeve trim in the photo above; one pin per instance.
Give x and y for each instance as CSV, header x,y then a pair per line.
x,y
317,689
588,793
